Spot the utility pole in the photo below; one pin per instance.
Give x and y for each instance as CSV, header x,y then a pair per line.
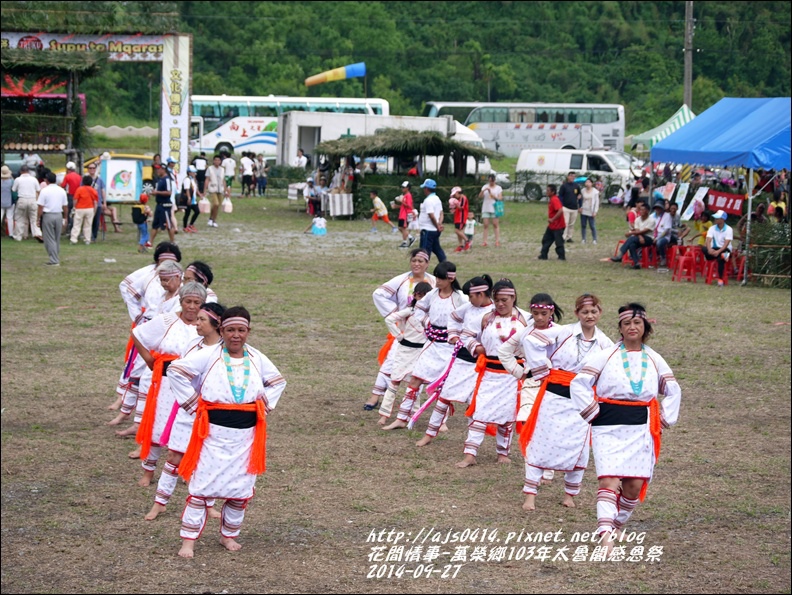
x,y
689,26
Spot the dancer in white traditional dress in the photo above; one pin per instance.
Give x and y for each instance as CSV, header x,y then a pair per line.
x,y
554,436
142,294
617,392
180,423
231,388
160,341
202,273
409,335
169,273
460,380
393,296
495,398
437,306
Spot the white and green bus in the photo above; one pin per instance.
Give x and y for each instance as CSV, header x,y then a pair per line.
x,y
235,123
512,127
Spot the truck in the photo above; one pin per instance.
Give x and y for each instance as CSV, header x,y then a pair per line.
x,y
305,130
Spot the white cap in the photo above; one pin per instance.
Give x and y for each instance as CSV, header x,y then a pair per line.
x,y
71,165
309,180
105,156
405,184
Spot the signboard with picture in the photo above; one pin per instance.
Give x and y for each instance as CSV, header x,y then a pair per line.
x,y
123,179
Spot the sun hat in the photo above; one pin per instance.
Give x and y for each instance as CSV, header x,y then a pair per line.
x,y
454,190
5,173
71,165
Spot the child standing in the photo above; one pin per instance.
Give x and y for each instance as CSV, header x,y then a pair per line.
x,y
470,229
140,216
380,211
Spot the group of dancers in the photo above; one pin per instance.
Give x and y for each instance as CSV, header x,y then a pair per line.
x,y
561,387
196,388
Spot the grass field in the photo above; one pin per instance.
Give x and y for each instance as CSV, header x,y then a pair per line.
x,y
72,513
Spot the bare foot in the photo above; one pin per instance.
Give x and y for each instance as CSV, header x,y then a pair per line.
x,y
443,428
130,431
145,481
187,549
530,502
116,404
468,461
396,425
608,539
569,501
118,419
213,512
134,454
504,460
382,420
425,440
154,512
230,544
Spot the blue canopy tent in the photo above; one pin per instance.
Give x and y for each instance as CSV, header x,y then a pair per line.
x,y
749,133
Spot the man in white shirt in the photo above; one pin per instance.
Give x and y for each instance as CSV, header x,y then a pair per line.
x,y
201,164
27,187
664,224
719,240
53,211
640,236
430,220
229,166
246,165
301,160
215,187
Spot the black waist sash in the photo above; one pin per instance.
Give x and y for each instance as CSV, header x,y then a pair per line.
x,y
621,415
240,420
410,344
465,356
559,390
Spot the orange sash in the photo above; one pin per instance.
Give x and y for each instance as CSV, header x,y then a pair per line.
x,y
481,369
383,352
655,429
258,455
556,377
146,429
131,342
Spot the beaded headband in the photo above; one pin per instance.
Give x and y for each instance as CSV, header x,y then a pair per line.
x,y
630,314
198,274
422,253
543,306
211,315
477,288
450,275
168,274
166,256
507,291
236,320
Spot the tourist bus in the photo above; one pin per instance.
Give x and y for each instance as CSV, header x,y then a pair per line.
x,y
235,124
512,127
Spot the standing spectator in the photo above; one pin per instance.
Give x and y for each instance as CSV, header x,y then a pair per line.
x,y
200,163
262,170
490,192
215,178
163,195
191,191
430,220
405,203
170,169
590,203
460,211
98,185
301,160
27,188
555,225
719,240
568,194
664,225
53,210
246,165
6,199
229,169
140,217
71,182
641,236
85,202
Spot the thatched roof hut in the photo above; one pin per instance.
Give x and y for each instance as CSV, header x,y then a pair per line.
x,y
406,145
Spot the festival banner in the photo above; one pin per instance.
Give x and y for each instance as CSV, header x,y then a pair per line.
x,y
699,197
123,179
681,194
668,190
723,201
119,47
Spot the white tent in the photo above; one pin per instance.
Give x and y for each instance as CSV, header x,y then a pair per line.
x,y
651,137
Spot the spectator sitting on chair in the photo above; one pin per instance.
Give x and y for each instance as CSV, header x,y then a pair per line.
x,y
719,239
663,228
638,237
680,230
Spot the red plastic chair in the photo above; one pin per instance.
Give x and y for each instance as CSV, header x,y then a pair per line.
x,y
618,245
738,270
685,269
649,257
712,272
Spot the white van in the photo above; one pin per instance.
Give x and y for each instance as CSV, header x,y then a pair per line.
x,y
538,167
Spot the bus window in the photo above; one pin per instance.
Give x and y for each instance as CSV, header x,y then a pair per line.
x,y
209,111
195,130
603,115
489,114
264,111
582,116
576,161
542,117
232,110
352,109
293,107
522,115
377,109
560,116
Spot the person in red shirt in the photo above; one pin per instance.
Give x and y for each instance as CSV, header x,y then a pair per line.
x,y
555,225
460,209
71,181
405,204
